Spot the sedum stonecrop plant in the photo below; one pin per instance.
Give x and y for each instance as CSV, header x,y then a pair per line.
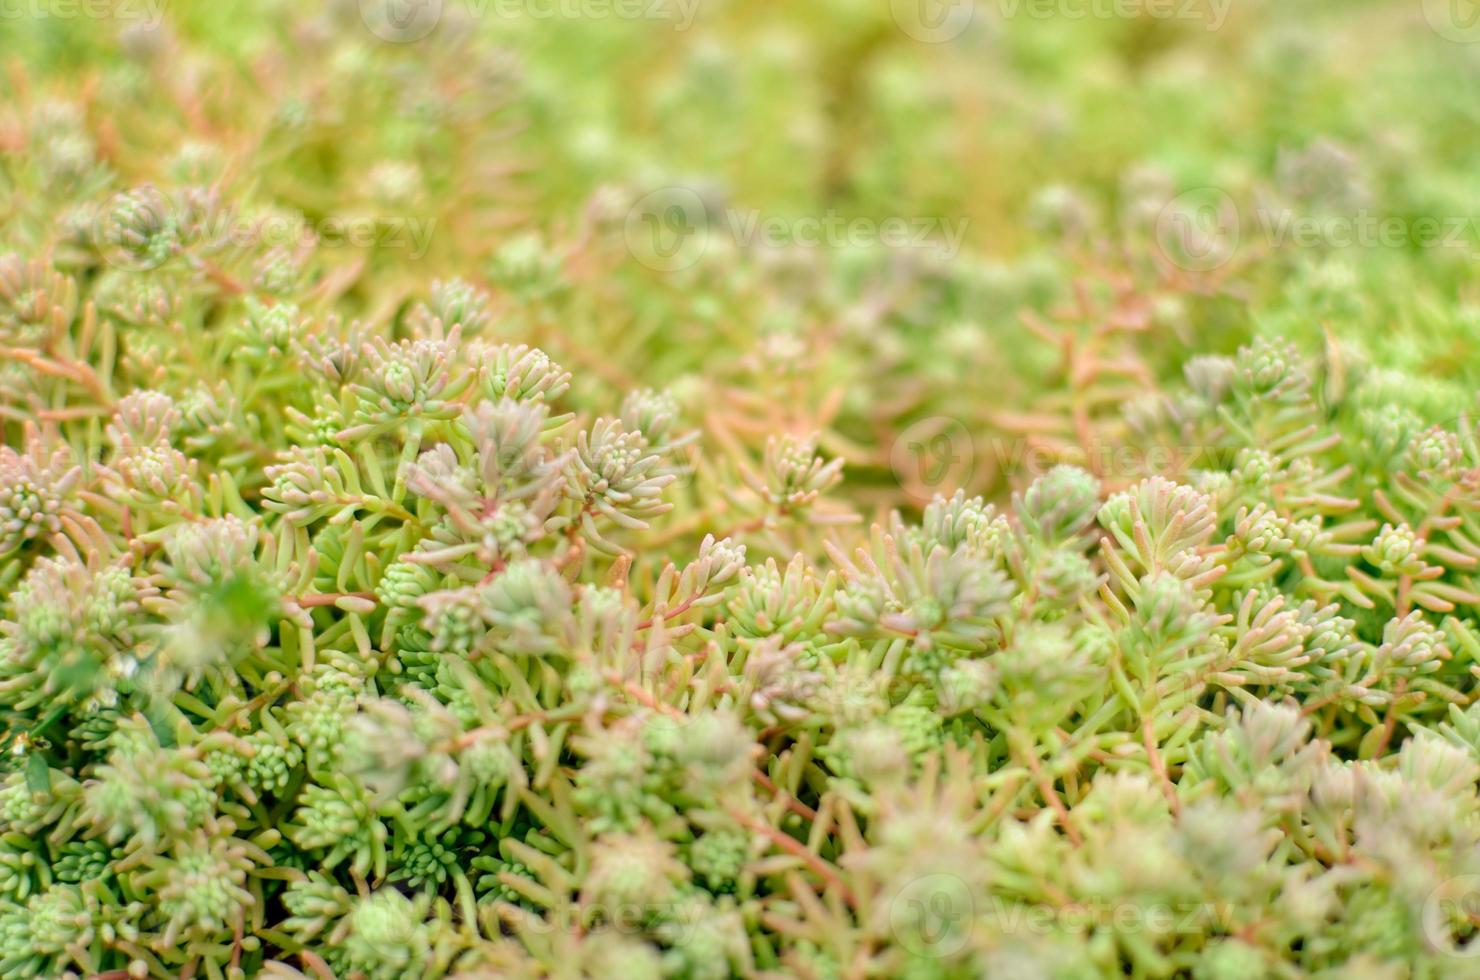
x,y
419,692
345,633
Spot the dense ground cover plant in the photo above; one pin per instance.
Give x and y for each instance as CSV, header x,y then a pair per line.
x,y
406,574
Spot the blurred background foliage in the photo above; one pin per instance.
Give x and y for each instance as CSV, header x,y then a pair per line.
x,y
526,135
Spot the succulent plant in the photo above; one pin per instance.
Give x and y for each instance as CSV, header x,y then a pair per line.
x,y
1093,595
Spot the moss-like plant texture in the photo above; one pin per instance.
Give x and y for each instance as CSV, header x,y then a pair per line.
x,y
456,520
